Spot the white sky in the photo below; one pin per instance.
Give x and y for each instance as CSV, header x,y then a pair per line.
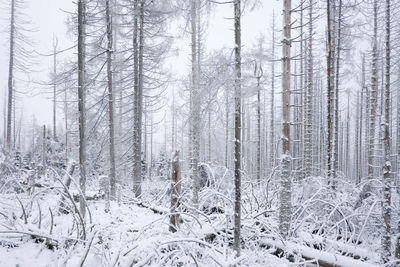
x,y
48,18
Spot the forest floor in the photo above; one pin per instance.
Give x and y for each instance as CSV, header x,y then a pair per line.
x,y
127,234
326,228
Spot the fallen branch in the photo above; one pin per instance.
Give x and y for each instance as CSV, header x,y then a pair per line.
x,y
323,258
82,261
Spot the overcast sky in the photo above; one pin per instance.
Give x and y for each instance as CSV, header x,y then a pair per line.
x,y
49,17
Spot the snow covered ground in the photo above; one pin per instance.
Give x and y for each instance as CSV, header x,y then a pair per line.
x,y
35,232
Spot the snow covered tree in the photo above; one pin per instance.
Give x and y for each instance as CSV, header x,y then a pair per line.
x,y
285,180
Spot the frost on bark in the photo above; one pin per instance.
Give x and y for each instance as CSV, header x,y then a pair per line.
x,y
82,101
110,98
272,122
237,143
308,142
386,201
374,89
11,75
337,50
285,194
138,43
330,97
195,106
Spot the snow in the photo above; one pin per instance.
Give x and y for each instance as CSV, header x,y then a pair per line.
x,y
134,231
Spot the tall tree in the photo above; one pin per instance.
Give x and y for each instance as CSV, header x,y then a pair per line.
x,y
272,122
110,97
285,194
82,100
238,124
11,74
55,44
308,142
374,89
138,95
387,182
195,104
330,96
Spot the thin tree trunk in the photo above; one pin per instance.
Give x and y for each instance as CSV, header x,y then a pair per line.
x,y
195,114
110,99
82,101
285,194
66,126
258,73
386,203
55,89
374,89
330,96
238,77
176,192
337,73
309,102
44,149
226,128
357,142
137,113
11,75
272,122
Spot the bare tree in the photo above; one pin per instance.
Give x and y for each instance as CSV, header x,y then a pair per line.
x,y
238,125
195,104
82,100
285,194
374,89
308,147
110,98
387,182
330,97
11,74
55,44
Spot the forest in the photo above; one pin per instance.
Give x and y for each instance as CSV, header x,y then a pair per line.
x,y
171,144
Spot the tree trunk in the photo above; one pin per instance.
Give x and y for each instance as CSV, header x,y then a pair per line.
x,y
238,77
330,96
55,89
386,203
258,72
285,194
309,101
110,99
272,125
195,107
82,101
175,192
11,75
137,146
336,84
374,89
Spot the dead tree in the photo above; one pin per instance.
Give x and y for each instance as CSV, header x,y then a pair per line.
x,y
175,193
110,98
330,97
238,125
308,142
374,89
386,201
82,101
285,194
11,75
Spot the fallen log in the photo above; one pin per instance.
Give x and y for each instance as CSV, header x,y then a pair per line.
x,y
352,250
323,258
